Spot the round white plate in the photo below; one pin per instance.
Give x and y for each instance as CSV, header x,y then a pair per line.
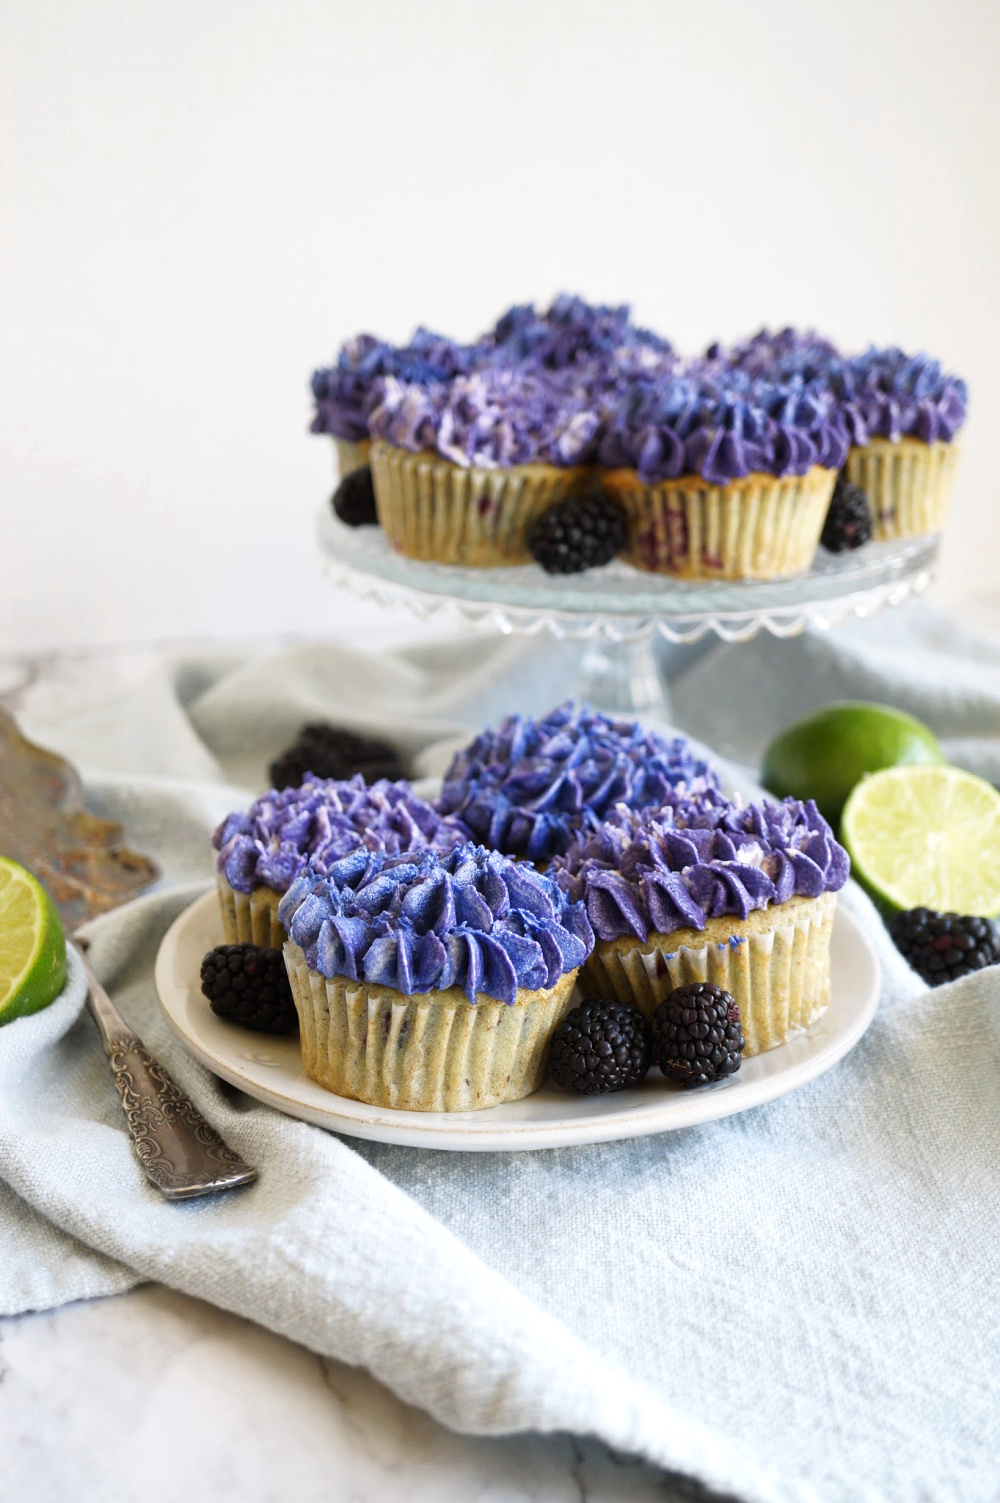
x,y
271,1068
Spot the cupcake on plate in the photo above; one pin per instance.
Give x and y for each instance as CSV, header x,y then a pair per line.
x,y
706,890
722,475
904,413
432,984
262,851
529,787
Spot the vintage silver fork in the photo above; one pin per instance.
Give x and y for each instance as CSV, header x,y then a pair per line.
x,y
180,1154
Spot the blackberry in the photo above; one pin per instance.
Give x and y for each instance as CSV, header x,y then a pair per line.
x,y
600,1047
943,946
578,533
249,986
849,521
329,751
354,499
697,1037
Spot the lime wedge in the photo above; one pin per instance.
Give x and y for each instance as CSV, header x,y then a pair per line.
x,y
32,944
926,837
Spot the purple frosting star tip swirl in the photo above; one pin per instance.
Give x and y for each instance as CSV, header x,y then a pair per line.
x,y
321,821
653,871
466,917
528,787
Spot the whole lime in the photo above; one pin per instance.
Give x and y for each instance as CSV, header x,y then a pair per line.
x,y
824,755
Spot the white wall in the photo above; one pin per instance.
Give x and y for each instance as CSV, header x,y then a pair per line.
x,y
202,198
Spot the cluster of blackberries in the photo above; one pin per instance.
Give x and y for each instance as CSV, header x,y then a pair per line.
x,y
602,1046
354,499
849,521
329,751
945,946
579,533
249,986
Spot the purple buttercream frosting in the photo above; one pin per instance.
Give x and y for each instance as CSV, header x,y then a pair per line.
x,y
342,392
467,917
528,787
889,394
322,821
656,870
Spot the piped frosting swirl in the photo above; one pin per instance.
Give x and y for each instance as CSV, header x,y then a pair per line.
x,y
656,870
528,787
467,917
323,820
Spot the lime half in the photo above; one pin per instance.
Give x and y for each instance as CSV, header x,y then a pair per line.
x,y
926,837
32,944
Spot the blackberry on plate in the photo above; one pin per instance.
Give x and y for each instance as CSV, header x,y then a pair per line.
x,y
697,1036
329,751
578,533
944,946
249,986
600,1047
849,521
354,499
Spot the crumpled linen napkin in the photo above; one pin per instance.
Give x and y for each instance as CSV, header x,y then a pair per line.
x,y
795,1303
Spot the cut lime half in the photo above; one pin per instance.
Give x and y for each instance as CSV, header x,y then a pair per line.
x,y
926,837
32,944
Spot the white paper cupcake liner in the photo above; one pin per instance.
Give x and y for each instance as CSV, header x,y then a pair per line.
x,y
351,455
433,1052
434,510
775,964
250,918
762,527
908,484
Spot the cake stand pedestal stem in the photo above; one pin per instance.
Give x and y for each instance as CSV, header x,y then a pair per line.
x,y
624,678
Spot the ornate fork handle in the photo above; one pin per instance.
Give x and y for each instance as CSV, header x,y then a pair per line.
x,y
180,1154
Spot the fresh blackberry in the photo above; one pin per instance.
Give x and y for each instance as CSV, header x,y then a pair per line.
x,y
329,751
249,986
600,1047
943,946
697,1037
849,520
578,533
354,499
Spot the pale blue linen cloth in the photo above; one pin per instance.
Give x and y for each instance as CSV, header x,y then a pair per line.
x,y
794,1304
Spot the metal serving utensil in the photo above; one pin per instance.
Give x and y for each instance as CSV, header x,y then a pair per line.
x,y
179,1152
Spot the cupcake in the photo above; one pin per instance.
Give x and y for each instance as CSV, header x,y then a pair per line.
x,y
433,984
342,392
722,475
903,412
705,890
529,787
262,851
462,469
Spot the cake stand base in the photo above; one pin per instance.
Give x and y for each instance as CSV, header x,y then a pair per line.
x,y
624,678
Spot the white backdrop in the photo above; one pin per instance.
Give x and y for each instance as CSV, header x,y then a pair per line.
x,y
201,199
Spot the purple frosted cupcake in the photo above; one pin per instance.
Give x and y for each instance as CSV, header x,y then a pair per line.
x,y
706,890
431,984
529,787
904,413
262,851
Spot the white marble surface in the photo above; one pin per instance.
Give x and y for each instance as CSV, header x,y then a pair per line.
x,y
155,1397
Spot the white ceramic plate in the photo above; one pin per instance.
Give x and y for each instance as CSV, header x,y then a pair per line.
x,y
271,1068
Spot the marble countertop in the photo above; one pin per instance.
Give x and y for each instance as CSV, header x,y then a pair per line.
x,y
156,1397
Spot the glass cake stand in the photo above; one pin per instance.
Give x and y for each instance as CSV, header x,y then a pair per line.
x,y
618,612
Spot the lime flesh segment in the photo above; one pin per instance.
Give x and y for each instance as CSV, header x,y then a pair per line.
x,y
926,837
32,944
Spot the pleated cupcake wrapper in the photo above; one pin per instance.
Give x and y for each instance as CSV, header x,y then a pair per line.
x,y
762,527
250,918
780,977
431,509
426,1053
351,455
908,484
